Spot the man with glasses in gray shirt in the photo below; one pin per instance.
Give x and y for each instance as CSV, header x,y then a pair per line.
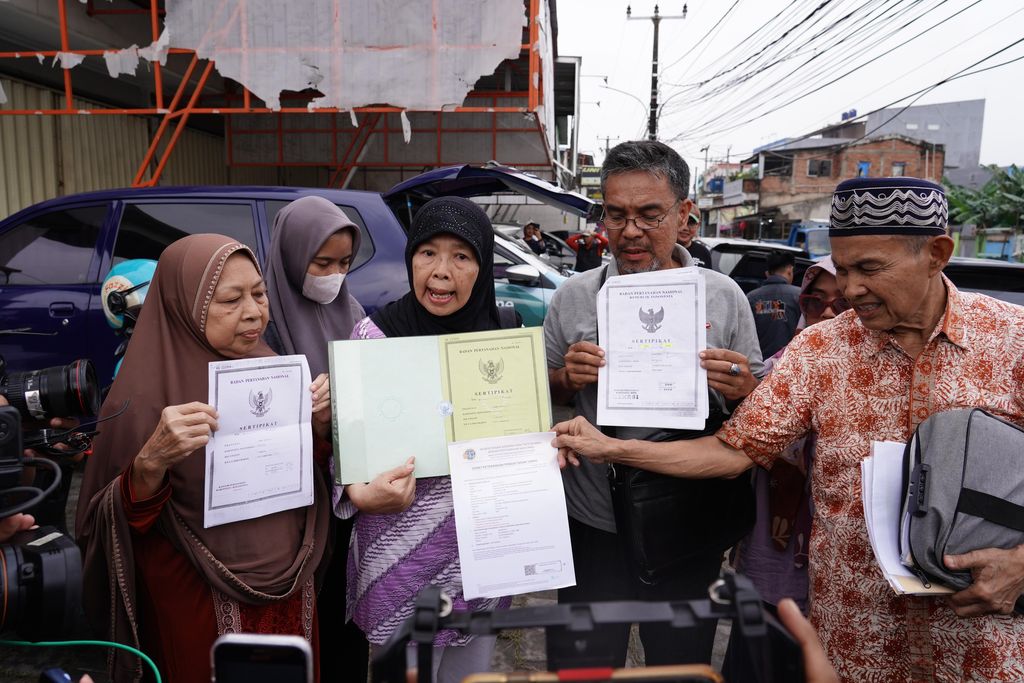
x,y
645,202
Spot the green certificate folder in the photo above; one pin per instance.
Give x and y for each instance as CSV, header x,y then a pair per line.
x,y
411,396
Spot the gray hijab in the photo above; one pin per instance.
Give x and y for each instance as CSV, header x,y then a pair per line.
x,y
304,326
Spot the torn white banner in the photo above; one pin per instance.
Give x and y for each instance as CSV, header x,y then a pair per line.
x,y
412,55
352,115
406,127
3,95
68,60
40,57
124,61
157,50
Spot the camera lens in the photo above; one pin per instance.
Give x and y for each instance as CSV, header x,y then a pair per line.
x,y
40,584
60,391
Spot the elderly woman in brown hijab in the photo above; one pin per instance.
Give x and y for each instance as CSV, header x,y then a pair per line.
x,y
154,577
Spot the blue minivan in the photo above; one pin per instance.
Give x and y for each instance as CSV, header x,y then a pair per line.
x,y
54,255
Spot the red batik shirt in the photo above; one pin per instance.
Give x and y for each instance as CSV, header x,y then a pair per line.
x,y
852,386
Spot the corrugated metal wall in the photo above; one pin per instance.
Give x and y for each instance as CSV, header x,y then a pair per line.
x,y
42,157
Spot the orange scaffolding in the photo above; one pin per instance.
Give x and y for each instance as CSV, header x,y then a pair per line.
x,y
175,115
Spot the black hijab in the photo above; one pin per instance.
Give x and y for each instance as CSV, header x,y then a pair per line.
x,y
463,219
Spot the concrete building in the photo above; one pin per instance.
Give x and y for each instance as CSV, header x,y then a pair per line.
x,y
727,194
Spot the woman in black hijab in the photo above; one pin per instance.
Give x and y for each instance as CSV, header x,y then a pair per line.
x,y
404,538
448,220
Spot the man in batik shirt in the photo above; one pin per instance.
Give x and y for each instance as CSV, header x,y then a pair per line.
x,y
912,345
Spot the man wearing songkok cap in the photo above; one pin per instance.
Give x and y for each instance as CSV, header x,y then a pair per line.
x,y
912,345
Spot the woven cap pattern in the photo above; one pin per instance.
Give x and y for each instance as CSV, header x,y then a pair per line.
x,y
888,206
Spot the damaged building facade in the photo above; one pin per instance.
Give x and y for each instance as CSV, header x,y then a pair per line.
x,y
359,93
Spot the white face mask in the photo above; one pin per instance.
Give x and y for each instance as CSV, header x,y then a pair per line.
x,y
322,289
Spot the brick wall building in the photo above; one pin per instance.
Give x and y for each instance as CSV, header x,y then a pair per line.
x,y
797,180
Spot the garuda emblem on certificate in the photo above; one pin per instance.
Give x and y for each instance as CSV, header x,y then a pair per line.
x,y
259,401
492,371
650,320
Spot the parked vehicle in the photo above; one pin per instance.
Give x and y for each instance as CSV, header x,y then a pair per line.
x,y
998,279
55,255
811,236
523,280
556,252
745,262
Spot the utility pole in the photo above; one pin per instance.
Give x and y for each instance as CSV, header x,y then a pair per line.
x,y
607,143
652,125
705,149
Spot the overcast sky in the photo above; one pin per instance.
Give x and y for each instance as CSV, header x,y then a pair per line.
x,y
597,30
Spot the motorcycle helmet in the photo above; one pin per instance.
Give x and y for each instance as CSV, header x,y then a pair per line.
x,y
123,292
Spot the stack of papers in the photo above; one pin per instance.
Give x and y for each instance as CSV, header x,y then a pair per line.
x,y
882,493
652,327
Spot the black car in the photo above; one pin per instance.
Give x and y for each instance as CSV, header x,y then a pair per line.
x,y
745,262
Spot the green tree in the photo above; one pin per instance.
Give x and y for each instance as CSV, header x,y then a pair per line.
x,y
999,203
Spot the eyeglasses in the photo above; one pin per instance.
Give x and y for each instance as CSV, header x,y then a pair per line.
x,y
641,222
814,305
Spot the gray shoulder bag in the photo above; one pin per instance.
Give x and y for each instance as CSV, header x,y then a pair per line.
x,y
963,475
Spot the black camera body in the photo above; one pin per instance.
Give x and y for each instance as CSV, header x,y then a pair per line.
x,y
41,583
40,569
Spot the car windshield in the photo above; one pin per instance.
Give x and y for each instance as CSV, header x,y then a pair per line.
x,y
528,256
817,242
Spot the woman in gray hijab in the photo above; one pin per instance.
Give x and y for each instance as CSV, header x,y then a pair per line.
x,y
312,246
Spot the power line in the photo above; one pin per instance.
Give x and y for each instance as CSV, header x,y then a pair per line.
x,y
776,91
745,47
703,38
821,6
868,24
746,77
962,73
832,81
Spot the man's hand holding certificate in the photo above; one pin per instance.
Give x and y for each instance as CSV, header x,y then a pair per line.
x,y
260,459
652,329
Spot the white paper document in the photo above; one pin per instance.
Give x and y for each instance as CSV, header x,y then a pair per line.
x,y
510,516
882,493
652,327
260,459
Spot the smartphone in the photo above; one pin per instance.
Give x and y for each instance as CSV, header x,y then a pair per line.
x,y
682,673
259,658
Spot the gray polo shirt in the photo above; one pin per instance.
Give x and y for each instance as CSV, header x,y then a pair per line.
x,y
573,317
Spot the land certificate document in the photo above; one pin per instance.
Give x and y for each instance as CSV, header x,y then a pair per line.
x,y
260,459
411,396
652,329
510,516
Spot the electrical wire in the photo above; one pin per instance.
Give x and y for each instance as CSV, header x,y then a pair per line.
x,y
89,643
748,46
817,9
824,64
706,36
735,88
793,100
710,112
963,73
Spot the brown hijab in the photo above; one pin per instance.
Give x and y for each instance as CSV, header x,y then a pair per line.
x,y
254,561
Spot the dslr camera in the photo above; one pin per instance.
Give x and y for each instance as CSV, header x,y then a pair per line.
x,y
40,569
